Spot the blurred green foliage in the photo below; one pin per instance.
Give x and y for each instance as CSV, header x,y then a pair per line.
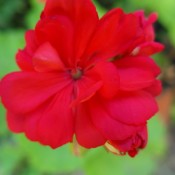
x,y
13,12
18,156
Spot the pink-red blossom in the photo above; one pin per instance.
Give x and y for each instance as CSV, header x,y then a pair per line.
x,y
85,77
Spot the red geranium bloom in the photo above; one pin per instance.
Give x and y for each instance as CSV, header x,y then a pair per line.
x,y
85,76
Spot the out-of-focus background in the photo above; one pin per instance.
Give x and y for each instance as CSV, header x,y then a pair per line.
x,y
18,156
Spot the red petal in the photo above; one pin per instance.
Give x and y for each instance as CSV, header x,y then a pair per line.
x,y
58,31
110,78
31,124
55,126
147,24
155,89
50,124
24,91
85,89
132,79
86,133
15,124
110,128
141,62
83,16
24,60
149,29
31,42
132,108
24,57
150,48
112,36
47,59
132,144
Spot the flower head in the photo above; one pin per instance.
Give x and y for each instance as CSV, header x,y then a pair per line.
x,y
85,76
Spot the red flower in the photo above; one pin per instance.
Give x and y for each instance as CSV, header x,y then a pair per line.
x,y
85,76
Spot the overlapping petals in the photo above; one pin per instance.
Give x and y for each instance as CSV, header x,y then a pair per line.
x,y
115,34
86,78
86,133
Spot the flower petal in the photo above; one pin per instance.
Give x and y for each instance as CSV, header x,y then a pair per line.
x,y
150,48
86,133
112,37
15,124
86,87
23,92
50,124
58,31
132,79
110,128
56,124
24,57
155,89
47,59
137,72
31,124
24,60
132,108
110,78
147,24
31,42
132,144
142,62
83,16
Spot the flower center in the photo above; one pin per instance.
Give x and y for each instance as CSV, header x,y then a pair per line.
x,y
76,73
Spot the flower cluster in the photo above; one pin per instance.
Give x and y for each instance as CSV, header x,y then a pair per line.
x,y
85,77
